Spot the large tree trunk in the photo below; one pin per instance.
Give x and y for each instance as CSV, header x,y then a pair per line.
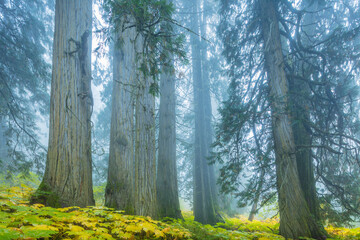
x,y
119,192
204,207
68,173
166,180
295,218
145,161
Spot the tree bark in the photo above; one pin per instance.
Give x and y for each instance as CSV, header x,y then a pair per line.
x,y
145,161
68,174
119,192
295,218
166,180
204,207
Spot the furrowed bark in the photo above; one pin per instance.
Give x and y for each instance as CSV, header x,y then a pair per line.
x,y
68,174
145,161
119,192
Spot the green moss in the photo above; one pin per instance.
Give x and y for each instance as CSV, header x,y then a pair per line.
x,y
46,196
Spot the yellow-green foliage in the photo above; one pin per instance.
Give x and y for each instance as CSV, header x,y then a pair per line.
x,y
99,195
233,228
19,220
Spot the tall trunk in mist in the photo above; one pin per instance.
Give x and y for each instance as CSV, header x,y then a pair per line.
x,y
204,207
68,173
166,179
207,98
119,192
145,161
299,93
295,218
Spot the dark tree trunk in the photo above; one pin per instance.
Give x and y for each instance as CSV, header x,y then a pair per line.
x,y
68,173
299,93
295,218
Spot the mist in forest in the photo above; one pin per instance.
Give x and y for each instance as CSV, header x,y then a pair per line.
x,y
223,108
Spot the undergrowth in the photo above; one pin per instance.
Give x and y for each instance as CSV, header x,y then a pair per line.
x,y
20,220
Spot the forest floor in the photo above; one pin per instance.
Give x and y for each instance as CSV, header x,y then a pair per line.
x,y
20,220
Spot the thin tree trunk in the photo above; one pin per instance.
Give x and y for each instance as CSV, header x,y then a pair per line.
x,y
4,155
295,218
254,207
145,161
68,173
119,189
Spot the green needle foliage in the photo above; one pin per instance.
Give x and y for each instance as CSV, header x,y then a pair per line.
x,y
24,77
152,20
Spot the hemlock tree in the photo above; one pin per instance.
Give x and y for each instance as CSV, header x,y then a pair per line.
x,y
68,174
300,223
322,97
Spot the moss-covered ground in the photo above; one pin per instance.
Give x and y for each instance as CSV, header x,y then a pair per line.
x,y
21,220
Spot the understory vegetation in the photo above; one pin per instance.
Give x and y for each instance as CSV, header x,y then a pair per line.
x,y
20,220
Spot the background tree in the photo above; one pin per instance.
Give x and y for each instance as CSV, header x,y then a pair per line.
x,y
25,37
204,199
68,173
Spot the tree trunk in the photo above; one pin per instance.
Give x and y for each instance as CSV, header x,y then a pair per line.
x,y
257,196
207,100
4,155
204,207
68,174
145,161
166,180
119,189
295,218
299,93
